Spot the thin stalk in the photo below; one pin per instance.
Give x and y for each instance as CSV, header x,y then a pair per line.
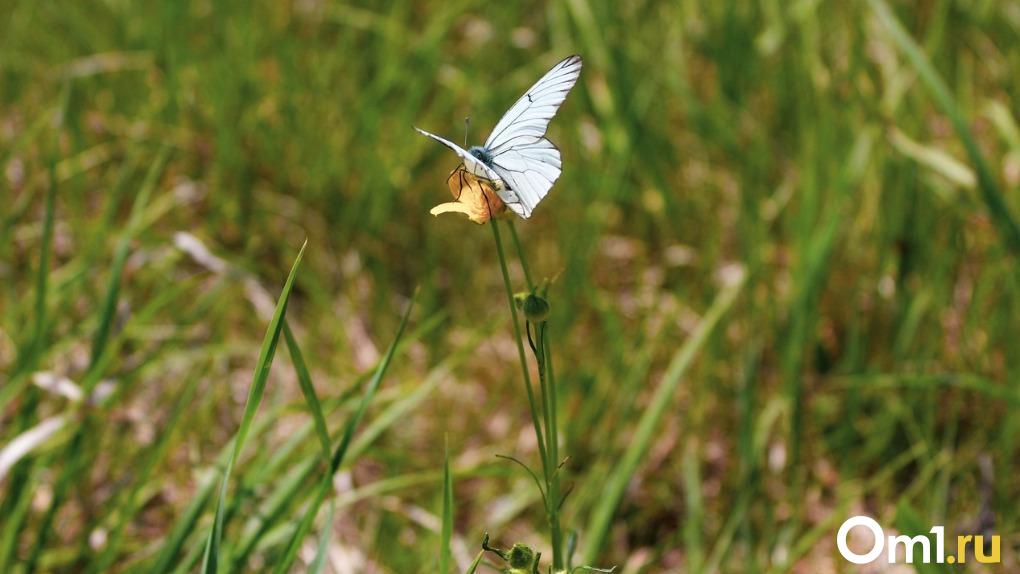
x,y
550,451
520,346
553,407
537,348
553,501
520,254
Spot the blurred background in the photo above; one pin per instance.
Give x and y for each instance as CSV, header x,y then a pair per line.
x,y
866,364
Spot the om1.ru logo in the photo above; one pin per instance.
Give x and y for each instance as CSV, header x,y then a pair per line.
x,y
910,545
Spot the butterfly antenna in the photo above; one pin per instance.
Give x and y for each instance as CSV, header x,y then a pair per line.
x,y
467,124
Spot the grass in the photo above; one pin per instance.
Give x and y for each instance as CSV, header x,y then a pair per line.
x,y
163,163
210,563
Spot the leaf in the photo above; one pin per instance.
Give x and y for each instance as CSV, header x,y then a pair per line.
x,y
283,565
210,562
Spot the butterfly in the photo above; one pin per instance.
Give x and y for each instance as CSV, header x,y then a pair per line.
x,y
517,161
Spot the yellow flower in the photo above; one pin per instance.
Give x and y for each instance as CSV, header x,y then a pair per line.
x,y
475,197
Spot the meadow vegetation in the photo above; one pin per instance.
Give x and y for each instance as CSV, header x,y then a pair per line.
x,y
781,262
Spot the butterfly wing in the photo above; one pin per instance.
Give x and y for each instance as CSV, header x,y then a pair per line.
x,y
522,157
529,117
529,169
473,164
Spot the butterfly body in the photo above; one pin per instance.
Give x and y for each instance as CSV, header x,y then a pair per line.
x,y
481,153
517,160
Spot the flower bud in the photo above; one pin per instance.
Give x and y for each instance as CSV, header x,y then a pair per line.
x,y
536,308
521,557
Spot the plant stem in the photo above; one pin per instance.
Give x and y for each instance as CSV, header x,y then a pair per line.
x,y
520,347
548,381
520,254
549,447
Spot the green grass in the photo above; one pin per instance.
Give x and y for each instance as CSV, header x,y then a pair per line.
x,y
162,164
210,563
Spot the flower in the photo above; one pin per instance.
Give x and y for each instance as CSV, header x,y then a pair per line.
x,y
475,197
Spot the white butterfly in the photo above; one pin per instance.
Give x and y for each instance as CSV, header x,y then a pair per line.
x,y
517,158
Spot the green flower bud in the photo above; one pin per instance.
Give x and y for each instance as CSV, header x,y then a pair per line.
x,y
536,308
521,557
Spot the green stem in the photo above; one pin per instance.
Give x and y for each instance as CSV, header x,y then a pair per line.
x,y
549,447
552,436
520,254
520,347
548,368
538,348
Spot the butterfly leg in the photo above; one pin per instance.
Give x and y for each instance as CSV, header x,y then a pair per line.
x,y
456,188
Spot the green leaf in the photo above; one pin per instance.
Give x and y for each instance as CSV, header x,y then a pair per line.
x,y
305,380
320,555
474,565
283,565
255,392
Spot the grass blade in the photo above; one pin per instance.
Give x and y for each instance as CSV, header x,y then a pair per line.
x,y
102,335
445,558
258,386
15,504
616,483
184,525
320,555
305,380
910,524
474,565
166,559
292,488
990,192
74,453
283,565
130,506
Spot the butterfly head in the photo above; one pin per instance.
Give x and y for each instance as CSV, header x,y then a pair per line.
x,y
482,154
